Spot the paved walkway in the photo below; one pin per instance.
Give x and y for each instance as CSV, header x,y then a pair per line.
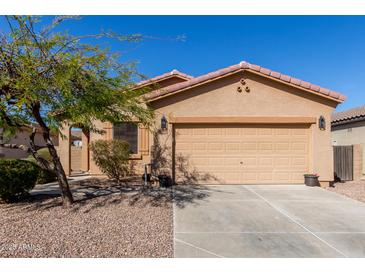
x,y
53,187
269,221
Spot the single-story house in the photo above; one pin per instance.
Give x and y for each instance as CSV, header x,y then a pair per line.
x,y
243,124
348,129
16,147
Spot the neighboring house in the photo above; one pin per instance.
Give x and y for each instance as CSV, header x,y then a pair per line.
x,y
21,138
240,124
348,128
76,138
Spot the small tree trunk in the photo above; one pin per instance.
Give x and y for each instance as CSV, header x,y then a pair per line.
x,y
67,198
33,148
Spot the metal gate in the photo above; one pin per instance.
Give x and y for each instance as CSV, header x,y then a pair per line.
x,y
343,162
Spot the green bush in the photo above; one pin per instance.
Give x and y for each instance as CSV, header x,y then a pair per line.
x,y
17,178
45,176
112,158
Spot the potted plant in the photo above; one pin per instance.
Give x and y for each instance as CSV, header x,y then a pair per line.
x,y
311,179
165,180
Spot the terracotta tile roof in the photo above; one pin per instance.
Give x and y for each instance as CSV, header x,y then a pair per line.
x,y
349,115
250,67
165,75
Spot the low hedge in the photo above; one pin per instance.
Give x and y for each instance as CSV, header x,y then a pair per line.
x,y
17,178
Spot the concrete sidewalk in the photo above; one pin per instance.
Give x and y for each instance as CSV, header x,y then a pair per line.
x,y
269,221
53,187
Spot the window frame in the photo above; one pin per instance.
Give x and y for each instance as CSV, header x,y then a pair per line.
x,y
133,156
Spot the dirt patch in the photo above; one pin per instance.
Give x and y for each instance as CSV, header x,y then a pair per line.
x,y
107,220
354,189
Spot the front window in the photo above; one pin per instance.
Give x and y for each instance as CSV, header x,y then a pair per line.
x,y
127,132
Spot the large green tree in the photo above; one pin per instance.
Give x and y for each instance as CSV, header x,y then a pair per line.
x,y
51,78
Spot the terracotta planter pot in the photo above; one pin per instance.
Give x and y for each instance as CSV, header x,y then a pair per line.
x,y
311,180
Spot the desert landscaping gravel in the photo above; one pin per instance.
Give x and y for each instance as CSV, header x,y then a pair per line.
x,y
353,189
132,224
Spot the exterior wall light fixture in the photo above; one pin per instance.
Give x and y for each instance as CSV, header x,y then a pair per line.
x,y
163,123
321,123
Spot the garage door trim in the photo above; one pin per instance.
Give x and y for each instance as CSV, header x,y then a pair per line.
x,y
242,120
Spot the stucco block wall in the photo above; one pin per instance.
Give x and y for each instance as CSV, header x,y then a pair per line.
x,y
359,171
352,134
22,138
12,153
349,134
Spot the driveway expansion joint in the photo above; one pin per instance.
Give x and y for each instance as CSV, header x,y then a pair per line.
x,y
295,221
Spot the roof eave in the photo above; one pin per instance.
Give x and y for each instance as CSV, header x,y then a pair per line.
x,y
154,81
158,97
348,120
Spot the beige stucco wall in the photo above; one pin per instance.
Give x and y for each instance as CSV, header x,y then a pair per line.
x,y
221,98
266,98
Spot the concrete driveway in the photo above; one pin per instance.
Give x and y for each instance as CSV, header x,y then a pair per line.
x,y
268,221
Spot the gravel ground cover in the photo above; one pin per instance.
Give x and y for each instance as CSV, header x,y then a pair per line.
x,y
122,222
354,189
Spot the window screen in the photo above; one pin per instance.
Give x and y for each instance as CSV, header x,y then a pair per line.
x,y
127,132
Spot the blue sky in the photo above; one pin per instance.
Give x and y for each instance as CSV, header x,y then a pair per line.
x,y
325,50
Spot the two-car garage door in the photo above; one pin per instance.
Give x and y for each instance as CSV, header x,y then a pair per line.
x,y
238,154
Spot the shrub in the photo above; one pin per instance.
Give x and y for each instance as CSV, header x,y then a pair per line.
x,y
17,178
45,176
112,158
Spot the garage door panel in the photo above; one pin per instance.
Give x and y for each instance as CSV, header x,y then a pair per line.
x,y
233,131
262,132
282,162
265,147
282,132
266,162
199,146
282,147
233,148
248,147
249,161
198,131
299,163
231,161
299,132
245,154
265,176
249,132
299,147
282,176
214,147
